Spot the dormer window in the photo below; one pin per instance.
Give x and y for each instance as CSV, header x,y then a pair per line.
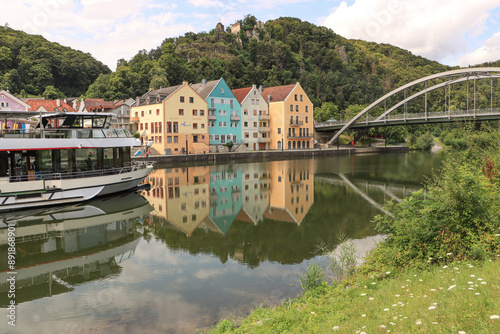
x,y
222,90
147,100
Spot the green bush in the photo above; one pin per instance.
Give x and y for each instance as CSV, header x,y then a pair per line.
x,y
424,142
458,216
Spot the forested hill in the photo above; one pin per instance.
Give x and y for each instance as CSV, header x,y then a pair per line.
x,y
30,63
282,51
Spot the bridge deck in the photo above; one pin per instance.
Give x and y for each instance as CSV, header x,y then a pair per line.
x,y
420,118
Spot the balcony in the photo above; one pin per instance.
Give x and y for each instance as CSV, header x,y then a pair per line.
x,y
264,129
294,135
264,117
296,123
235,118
265,140
212,117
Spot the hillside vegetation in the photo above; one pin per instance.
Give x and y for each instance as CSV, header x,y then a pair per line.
x,y
29,64
282,51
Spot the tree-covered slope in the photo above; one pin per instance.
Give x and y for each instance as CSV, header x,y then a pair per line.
x,y
30,63
282,51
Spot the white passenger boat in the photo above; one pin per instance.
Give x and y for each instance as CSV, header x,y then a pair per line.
x,y
66,158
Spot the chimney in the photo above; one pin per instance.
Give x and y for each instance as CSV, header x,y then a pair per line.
x,y
269,98
58,102
203,82
261,88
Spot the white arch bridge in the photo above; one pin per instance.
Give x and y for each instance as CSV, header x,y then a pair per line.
x,y
447,115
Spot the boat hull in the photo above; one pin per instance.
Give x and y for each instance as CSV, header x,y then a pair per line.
x,y
38,193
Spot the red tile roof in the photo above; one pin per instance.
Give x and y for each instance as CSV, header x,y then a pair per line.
x,y
48,105
278,93
241,93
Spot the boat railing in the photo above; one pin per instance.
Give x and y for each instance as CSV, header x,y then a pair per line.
x,y
65,133
61,175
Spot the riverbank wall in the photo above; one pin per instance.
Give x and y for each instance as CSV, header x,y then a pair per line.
x,y
213,158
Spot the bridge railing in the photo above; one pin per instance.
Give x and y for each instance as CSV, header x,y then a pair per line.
x,y
451,113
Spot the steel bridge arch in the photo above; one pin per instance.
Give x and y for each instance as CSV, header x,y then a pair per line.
x,y
458,76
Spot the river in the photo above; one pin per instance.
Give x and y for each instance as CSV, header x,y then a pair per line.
x,y
204,243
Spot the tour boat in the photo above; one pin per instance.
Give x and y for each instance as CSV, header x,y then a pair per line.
x,y
65,158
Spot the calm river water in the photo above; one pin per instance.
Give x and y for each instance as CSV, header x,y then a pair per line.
x,y
204,243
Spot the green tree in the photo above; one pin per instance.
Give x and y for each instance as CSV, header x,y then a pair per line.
x,y
325,112
51,93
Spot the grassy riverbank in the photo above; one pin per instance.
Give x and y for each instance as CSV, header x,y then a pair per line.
x,y
437,299
438,270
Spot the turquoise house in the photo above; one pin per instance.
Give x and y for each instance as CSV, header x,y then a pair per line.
x,y
224,114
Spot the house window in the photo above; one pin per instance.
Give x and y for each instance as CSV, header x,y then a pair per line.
x,y
221,101
255,135
255,112
182,99
176,127
181,112
279,131
247,135
217,137
145,126
245,124
142,113
306,120
295,97
159,127
291,107
141,127
195,125
307,108
191,99
169,139
222,91
202,112
300,97
195,139
157,112
245,112
297,107
231,104
169,127
212,102
202,126
195,112
136,114
176,139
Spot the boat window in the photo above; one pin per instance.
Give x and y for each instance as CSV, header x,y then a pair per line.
x,y
98,121
120,133
98,134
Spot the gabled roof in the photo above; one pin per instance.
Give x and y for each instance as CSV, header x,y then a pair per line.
x,y
241,93
204,90
13,97
97,103
163,93
277,93
48,105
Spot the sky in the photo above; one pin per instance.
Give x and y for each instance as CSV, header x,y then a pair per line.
x,y
452,32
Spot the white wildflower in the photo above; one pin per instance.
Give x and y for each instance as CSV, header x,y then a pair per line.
x,y
483,282
451,287
382,326
386,309
336,328
419,322
495,316
432,308
363,315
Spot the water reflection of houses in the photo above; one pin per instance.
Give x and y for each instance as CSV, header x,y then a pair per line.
x,y
292,190
256,183
225,196
66,246
181,196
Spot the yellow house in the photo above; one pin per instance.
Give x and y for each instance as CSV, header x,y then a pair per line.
x,y
174,120
292,190
291,114
180,197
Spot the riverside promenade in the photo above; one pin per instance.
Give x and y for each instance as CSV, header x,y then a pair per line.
x,y
212,158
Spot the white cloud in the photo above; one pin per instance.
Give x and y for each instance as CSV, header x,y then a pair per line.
x,y
490,51
426,27
206,3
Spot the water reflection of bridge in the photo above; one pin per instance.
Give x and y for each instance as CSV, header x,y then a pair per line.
x,y
362,188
